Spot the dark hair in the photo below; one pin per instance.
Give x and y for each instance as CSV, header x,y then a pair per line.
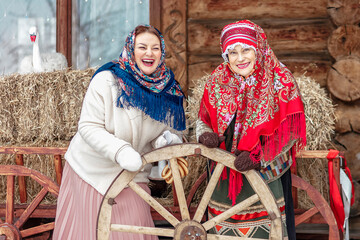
x,y
150,29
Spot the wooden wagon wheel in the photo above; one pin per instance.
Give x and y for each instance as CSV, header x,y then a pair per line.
x,y
11,228
320,206
188,228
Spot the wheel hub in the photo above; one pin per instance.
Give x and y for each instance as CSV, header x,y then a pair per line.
x,y
190,230
11,232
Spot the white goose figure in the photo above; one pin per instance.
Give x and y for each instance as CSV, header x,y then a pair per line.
x,y
45,62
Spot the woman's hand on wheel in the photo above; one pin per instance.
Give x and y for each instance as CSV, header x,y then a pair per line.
x,y
211,139
129,159
243,161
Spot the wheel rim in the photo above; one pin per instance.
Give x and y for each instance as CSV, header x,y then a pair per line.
x,y
13,227
190,227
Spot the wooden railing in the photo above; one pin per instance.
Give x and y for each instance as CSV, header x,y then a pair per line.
x,y
58,152
19,153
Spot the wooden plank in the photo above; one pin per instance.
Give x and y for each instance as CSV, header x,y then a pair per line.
x,y
33,150
284,35
316,67
312,154
248,9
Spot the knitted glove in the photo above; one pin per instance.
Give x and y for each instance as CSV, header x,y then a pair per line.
x,y
211,139
243,161
128,158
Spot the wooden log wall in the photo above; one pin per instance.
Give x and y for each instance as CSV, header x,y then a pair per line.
x,y
343,82
297,32
318,38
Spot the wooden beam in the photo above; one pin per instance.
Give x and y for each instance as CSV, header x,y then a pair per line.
x,y
155,13
33,150
63,28
21,179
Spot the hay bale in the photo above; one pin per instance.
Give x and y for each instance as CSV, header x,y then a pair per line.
x,y
320,122
320,128
40,109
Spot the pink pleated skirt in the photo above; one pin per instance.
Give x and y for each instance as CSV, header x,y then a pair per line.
x,y
77,209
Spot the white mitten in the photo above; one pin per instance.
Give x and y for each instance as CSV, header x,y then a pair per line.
x,y
167,138
171,138
160,142
129,159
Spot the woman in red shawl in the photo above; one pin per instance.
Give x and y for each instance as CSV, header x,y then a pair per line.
x,y
252,107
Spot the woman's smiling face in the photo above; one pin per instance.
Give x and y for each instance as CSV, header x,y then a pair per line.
x,y
147,52
242,60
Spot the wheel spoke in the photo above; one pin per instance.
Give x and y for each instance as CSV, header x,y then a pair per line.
x,y
37,230
208,192
104,216
222,158
268,200
10,199
179,189
223,237
143,230
153,203
30,209
230,212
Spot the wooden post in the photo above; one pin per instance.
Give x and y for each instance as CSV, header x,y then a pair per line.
x,y
293,170
155,13
63,29
21,179
10,200
58,168
336,167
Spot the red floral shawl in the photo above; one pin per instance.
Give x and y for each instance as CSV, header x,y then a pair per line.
x,y
266,105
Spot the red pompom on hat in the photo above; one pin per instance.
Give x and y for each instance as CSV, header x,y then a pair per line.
x,y
241,31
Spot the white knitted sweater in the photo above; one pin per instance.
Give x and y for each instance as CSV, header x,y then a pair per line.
x,y
103,129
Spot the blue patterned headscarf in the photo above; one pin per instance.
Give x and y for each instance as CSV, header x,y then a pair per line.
x,y
158,95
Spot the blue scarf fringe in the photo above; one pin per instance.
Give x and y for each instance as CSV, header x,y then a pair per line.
x,y
163,106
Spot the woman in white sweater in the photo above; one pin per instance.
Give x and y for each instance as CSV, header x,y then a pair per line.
x,y
130,105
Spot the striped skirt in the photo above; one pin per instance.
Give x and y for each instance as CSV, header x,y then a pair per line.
x,y
78,205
